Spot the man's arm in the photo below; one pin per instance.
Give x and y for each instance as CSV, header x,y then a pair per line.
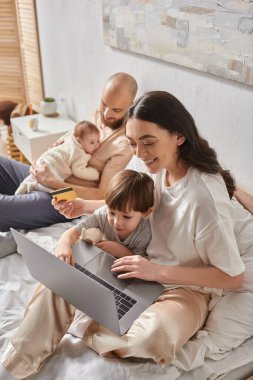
x,y
77,207
86,189
44,176
112,166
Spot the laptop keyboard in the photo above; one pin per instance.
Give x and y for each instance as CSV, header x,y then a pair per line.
x,y
123,302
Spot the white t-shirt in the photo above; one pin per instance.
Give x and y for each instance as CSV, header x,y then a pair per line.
x,y
193,225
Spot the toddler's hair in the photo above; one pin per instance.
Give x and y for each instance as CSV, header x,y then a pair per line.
x,y
85,127
130,190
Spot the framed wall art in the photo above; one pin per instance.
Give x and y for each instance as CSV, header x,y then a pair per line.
x,y
213,36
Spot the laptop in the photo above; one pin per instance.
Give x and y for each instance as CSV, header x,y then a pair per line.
x,y
90,285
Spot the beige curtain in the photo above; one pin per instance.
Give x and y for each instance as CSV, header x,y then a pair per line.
x,y
20,65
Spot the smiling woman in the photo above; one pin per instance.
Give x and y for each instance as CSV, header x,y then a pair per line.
x,y
199,239
192,206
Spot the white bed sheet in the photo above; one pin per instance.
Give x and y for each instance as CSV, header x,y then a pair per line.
x,y
72,359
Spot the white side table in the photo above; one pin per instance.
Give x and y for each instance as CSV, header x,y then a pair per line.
x,y
33,143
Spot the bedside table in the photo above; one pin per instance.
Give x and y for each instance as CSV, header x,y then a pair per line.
x,y
33,143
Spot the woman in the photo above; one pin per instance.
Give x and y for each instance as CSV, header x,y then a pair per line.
x,y
196,228
193,250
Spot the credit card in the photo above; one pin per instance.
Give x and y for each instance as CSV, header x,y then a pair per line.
x,y
65,194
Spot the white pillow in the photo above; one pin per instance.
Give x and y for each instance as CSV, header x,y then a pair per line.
x,y
230,322
7,244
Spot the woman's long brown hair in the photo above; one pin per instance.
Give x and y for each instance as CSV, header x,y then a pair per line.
x,y
165,110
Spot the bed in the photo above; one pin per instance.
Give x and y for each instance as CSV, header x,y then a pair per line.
x,y
73,360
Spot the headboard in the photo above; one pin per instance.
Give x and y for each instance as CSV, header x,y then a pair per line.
x,y
245,198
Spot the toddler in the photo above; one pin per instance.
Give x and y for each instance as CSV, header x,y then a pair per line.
x,y
123,221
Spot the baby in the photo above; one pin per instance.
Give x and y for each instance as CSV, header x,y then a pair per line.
x,y
69,158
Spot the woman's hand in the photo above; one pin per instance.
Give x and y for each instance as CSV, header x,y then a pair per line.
x,y
64,253
71,209
114,248
136,267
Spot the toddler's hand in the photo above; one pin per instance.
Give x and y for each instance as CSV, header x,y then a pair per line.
x,y
64,253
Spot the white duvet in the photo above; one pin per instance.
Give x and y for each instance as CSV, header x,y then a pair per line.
x,y
73,360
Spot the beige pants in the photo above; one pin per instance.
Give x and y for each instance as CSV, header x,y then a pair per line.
x,y
157,334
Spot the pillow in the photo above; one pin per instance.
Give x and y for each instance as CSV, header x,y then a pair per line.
x,y
230,322
7,244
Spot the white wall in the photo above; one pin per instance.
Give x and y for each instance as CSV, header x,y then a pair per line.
x,y
76,62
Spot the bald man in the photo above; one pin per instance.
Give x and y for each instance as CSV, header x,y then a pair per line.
x,y
33,210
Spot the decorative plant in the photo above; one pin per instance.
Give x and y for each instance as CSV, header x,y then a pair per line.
x,y
49,100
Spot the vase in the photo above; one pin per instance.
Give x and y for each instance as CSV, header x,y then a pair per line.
x,y
48,108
